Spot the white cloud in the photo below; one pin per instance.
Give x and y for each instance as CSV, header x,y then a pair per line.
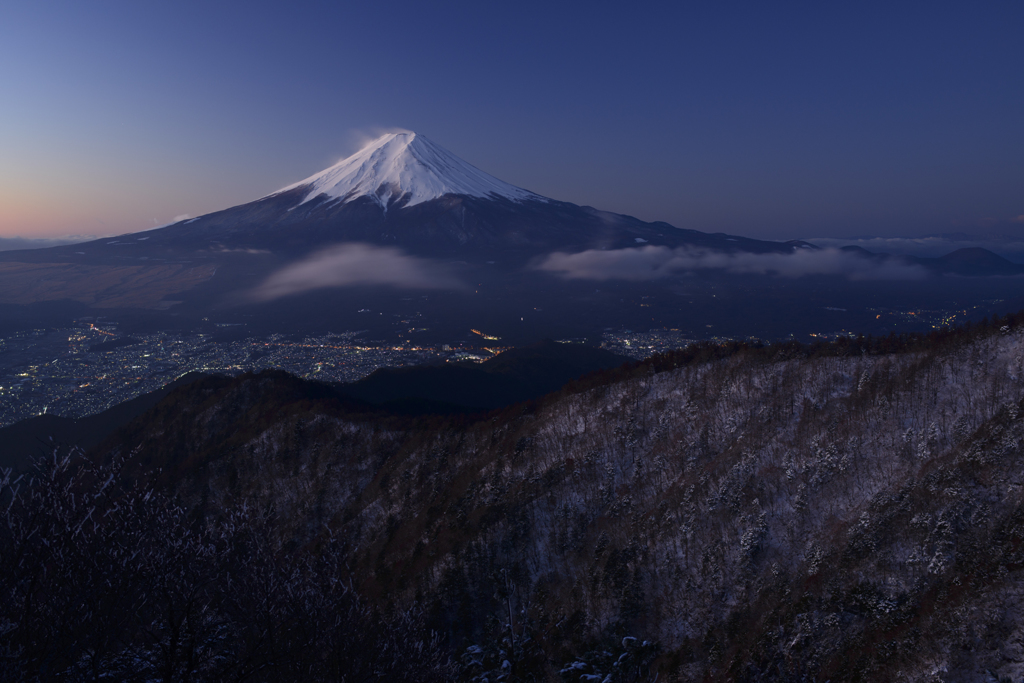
x,y
363,137
653,263
348,265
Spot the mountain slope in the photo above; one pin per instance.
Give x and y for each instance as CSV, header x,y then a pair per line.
x,y
779,514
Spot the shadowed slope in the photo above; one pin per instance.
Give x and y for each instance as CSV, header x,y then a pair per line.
x,y
515,375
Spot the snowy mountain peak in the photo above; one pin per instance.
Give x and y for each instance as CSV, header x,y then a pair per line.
x,y
406,168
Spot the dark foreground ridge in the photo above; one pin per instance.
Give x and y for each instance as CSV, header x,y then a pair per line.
x,y
517,375
849,511
23,442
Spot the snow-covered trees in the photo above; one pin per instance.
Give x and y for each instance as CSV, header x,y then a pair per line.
x,y
101,578
849,511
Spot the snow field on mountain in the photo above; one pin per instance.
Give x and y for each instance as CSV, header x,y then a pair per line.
x,y
406,167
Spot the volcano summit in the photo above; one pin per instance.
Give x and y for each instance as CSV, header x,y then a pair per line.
x,y
405,169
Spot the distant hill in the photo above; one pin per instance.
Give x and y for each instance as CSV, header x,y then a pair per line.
x,y
969,262
975,261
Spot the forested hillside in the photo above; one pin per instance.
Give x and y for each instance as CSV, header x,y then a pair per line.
x,y
851,511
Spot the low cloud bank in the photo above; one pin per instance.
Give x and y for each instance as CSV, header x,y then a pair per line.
x,y
348,265
654,263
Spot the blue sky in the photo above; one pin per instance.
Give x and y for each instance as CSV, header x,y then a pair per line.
x,y
764,119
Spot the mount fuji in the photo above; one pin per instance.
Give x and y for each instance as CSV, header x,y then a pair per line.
x,y
406,191
424,240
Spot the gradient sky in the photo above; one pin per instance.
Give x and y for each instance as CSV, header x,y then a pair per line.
x,y
763,119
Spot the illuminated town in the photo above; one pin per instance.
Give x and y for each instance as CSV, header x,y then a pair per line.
x,y
93,366
88,368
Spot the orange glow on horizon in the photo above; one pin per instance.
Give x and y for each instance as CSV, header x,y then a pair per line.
x,y
29,214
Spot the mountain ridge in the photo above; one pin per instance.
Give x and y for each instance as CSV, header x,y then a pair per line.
x,y
719,514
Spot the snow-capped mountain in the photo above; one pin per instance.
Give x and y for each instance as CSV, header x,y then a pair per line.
x,y
406,169
406,191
